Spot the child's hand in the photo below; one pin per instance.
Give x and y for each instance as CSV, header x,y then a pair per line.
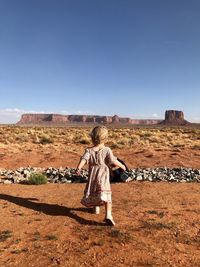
x,y
78,172
124,168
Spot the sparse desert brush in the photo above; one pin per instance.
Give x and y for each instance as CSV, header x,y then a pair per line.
x,y
112,134
86,140
5,235
51,237
22,137
118,137
196,147
68,139
154,139
121,236
113,144
178,144
145,135
144,143
81,138
124,141
31,132
169,138
45,139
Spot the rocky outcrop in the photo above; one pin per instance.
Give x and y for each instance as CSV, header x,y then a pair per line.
x,y
174,117
67,119
42,118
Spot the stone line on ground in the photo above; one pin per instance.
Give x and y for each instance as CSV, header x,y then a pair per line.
x,y
68,175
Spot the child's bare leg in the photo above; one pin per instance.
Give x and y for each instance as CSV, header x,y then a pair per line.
x,y
108,215
108,209
96,210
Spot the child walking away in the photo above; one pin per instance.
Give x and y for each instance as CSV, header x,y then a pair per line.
x,y
99,157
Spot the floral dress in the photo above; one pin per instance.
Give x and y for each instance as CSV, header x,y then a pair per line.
x,y
98,189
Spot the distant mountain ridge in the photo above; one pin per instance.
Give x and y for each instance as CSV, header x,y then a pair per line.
x,y
172,117
70,119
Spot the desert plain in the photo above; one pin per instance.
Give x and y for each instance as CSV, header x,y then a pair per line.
x,y
157,224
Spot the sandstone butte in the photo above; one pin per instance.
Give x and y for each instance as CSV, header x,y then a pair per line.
x,y
172,117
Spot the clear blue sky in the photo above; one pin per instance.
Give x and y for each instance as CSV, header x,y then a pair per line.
x,y
133,58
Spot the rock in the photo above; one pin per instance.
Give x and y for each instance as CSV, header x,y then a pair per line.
x,y
139,178
174,117
7,182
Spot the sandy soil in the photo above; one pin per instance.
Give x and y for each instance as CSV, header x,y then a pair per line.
x,y
157,225
14,156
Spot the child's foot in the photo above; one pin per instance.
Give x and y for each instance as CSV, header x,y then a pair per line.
x,y
109,221
96,210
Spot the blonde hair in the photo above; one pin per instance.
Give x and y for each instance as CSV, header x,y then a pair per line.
x,y
99,135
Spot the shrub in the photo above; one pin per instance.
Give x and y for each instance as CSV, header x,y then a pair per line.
x,y
51,237
82,138
85,140
5,235
124,141
37,178
46,139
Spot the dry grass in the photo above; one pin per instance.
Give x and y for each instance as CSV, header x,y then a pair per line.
x,y
118,138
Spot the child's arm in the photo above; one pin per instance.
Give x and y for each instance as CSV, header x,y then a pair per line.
x,y
80,165
112,160
119,164
84,159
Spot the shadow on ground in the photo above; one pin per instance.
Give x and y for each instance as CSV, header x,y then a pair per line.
x,y
51,209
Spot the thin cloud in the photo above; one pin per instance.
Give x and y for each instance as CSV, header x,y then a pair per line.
x,y
13,115
81,112
145,116
155,115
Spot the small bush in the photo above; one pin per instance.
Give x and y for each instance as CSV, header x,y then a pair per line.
x,y
82,138
36,236
51,237
46,139
124,141
5,235
37,178
121,236
85,140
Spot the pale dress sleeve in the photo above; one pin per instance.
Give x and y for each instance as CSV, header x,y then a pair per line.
x,y
86,156
110,158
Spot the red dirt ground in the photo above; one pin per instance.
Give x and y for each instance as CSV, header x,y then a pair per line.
x,y
157,224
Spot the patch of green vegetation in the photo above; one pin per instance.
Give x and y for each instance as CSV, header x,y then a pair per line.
x,y
37,178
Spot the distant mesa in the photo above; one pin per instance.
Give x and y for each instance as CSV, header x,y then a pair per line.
x,y
172,117
53,119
